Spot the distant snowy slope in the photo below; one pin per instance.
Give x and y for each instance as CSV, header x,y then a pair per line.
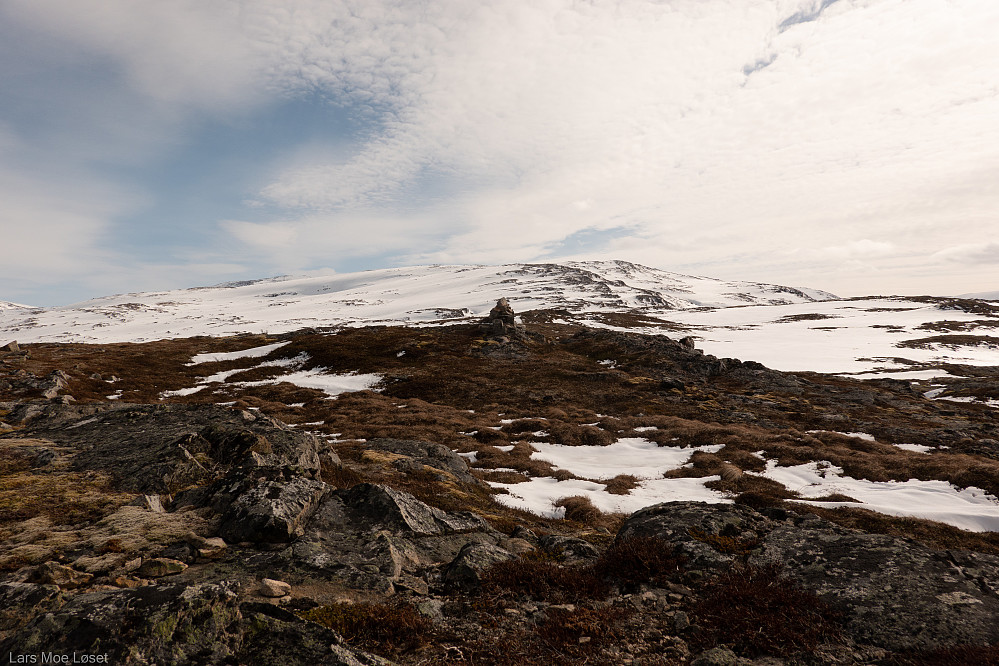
x,y
6,305
701,291
388,296
783,327
984,295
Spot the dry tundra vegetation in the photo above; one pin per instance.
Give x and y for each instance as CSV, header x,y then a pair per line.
x,y
451,386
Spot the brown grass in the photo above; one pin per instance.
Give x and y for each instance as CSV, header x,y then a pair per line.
x,y
543,579
630,562
391,629
757,612
729,545
978,655
935,535
68,499
580,509
622,484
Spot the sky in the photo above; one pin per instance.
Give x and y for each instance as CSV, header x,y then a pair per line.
x,y
845,145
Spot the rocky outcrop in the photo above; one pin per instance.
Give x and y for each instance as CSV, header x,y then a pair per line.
x,y
893,593
381,507
180,624
375,537
437,457
162,449
463,572
272,512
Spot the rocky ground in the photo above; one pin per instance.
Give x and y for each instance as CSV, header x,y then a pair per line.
x,y
262,523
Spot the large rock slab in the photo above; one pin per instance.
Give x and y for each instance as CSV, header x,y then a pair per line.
x,y
464,571
681,523
161,449
382,507
373,537
272,511
893,593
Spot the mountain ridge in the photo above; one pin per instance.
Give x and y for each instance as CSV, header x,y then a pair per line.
x,y
406,295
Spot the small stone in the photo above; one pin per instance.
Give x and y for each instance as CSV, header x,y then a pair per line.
x,y
157,567
274,588
128,582
681,621
53,573
431,608
716,657
208,548
516,546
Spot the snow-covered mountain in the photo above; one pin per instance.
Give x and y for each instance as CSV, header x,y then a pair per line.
x,y
783,327
389,296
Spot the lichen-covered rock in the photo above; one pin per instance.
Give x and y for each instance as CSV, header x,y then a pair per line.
x,y
716,657
464,572
157,567
893,593
381,506
162,449
373,537
272,511
53,573
436,456
177,624
568,547
21,601
686,524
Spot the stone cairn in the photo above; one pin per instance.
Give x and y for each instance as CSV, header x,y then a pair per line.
x,y
502,323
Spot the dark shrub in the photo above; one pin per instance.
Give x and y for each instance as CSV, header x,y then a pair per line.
x,y
758,612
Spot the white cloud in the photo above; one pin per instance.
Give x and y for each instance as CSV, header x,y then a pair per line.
x,y
983,253
839,144
53,233
178,51
862,122
291,245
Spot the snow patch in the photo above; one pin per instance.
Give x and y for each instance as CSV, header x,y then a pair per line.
x,y
317,378
630,455
255,352
918,448
969,508
538,495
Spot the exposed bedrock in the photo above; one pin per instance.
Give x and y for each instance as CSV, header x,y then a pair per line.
x,y
893,593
